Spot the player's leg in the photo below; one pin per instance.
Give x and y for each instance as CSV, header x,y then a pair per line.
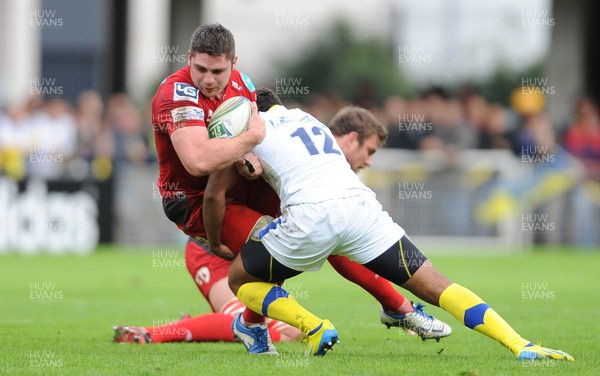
x,y
368,231
394,304
262,198
279,331
251,276
405,265
210,276
239,223
210,327
381,289
209,273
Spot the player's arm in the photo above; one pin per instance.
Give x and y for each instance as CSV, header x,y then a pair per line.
x,y
213,210
202,156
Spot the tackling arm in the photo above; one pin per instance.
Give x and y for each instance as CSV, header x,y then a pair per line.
x,y
202,156
249,166
213,210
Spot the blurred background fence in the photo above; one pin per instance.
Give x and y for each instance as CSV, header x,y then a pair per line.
x,y
486,200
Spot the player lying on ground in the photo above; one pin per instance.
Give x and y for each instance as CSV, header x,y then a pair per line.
x,y
328,210
248,201
210,327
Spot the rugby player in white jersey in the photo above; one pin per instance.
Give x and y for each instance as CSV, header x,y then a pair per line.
x,y
327,210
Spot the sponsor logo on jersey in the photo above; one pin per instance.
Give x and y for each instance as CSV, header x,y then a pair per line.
x,y
248,82
307,119
185,92
187,113
236,85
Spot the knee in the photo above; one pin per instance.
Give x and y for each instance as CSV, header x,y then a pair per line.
x,y
233,280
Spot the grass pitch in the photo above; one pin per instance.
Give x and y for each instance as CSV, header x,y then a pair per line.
x,y
56,315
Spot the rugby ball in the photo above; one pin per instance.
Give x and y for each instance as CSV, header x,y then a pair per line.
x,y
230,118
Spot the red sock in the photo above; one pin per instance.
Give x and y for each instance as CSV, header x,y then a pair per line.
x,y
379,287
233,307
274,332
204,328
251,317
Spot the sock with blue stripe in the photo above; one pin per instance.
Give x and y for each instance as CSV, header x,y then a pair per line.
x,y
274,302
474,313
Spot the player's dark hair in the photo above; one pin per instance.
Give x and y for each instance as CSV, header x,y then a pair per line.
x,y
213,39
266,98
357,119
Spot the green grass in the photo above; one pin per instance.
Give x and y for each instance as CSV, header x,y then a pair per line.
x,y
56,315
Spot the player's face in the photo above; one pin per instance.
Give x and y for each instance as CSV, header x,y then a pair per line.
x,y
357,154
209,73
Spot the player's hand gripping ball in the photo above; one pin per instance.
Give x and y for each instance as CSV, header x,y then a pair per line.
x,y
230,118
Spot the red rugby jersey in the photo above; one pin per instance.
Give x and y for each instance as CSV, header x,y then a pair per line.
x,y
178,103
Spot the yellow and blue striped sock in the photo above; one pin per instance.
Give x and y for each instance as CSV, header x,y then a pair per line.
x,y
474,313
274,302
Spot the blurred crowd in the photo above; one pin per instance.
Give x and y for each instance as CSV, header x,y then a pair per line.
x,y
438,123
91,137
57,139
54,138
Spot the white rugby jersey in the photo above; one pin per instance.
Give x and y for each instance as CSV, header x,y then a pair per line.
x,y
301,159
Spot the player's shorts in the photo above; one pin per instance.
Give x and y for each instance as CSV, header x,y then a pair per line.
x,y
204,267
355,226
186,213
250,200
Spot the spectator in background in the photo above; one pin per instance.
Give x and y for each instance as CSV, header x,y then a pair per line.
x,y
89,117
125,121
493,132
451,126
582,140
393,110
432,101
15,140
487,122
15,128
582,137
35,105
324,107
535,135
550,171
452,134
417,127
54,139
95,146
475,107
535,138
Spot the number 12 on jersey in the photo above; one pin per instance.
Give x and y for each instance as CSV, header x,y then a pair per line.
x,y
309,143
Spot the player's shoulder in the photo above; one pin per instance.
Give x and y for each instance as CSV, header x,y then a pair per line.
x,y
177,89
242,83
301,116
182,76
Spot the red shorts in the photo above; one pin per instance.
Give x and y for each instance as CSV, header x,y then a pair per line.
x,y
205,268
253,199
240,216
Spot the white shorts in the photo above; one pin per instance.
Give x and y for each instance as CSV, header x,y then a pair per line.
x,y
306,234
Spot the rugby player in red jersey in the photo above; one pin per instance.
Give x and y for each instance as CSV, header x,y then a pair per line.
x,y
181,110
